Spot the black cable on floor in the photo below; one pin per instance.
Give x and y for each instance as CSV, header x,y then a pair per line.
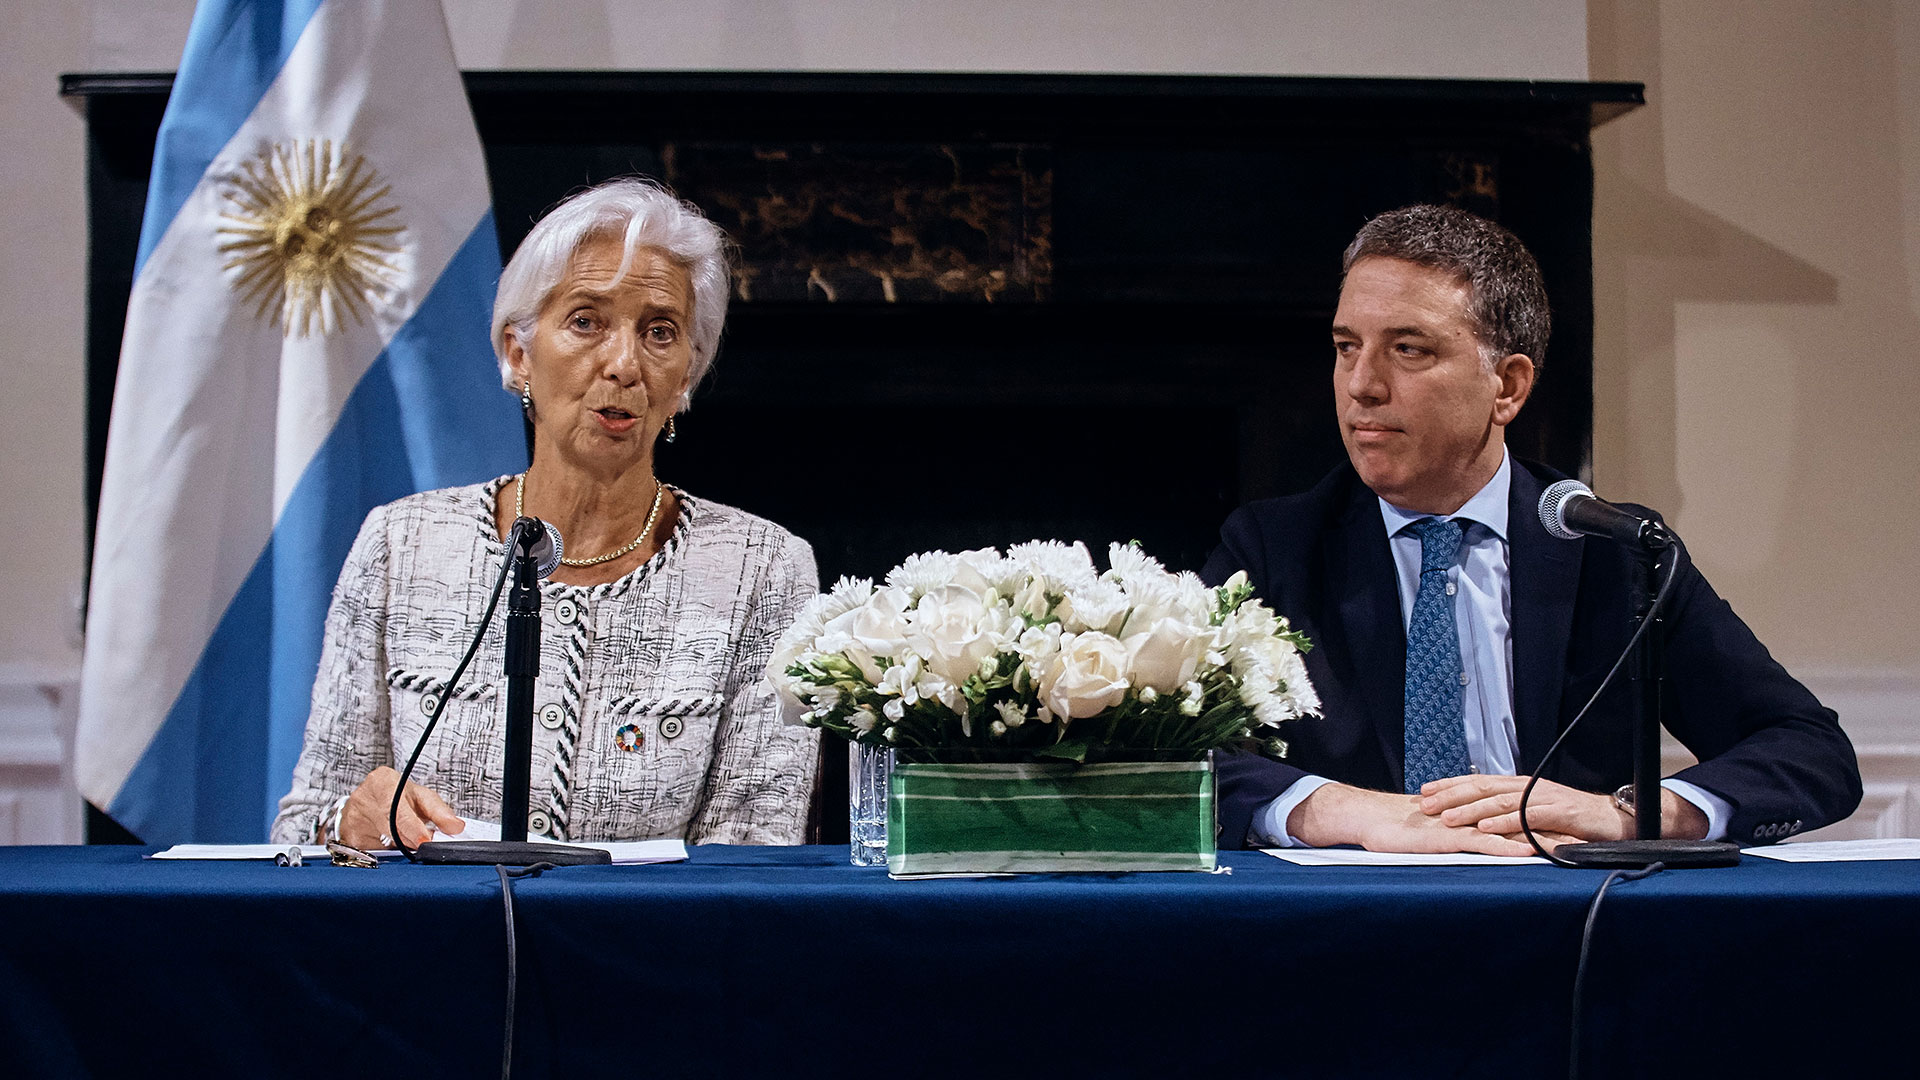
x,y
1586,945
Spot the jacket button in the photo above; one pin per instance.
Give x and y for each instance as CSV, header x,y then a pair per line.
x,y
430,704
567,611
670,727
552,716
538,823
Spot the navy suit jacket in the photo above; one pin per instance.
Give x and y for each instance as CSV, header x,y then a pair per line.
x,y
1322,559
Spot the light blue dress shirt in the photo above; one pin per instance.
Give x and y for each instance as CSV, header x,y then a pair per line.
x,y
1479,583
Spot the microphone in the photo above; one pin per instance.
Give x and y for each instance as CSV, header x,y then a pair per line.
x,y
1570,510
538,541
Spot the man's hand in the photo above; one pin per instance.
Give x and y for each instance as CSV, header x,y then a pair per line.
x,y
1383,821
1492,804
363,824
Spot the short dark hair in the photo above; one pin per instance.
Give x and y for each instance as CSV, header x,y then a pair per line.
x,y
1508,298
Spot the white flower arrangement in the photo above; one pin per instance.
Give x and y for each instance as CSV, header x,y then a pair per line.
x,y
1037,650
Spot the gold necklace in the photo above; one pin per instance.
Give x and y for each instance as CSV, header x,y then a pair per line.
x,y
659,489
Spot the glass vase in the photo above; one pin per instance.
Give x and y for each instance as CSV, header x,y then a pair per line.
x,y
868,768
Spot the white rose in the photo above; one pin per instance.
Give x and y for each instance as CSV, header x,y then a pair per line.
x,y
953,629
1086,677
1030,598
1165,654
875,628
788,689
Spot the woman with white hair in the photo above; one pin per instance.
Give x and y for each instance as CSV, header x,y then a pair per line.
x,y
652,716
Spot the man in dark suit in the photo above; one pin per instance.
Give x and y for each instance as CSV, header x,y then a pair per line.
x,y
1454,637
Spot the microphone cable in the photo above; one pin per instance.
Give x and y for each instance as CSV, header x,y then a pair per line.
x,y
1586,943
513,957
506,876
1674,555
446,695
1639,634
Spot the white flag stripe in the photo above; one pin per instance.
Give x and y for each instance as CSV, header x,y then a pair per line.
x,y
184,478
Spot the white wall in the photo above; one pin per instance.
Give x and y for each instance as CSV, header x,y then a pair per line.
x,y
1757,331
1483,39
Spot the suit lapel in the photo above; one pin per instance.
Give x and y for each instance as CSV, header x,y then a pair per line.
x,y
1360,566
1545,577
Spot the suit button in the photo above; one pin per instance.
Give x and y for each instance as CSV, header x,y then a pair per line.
x,y
552,716
538,823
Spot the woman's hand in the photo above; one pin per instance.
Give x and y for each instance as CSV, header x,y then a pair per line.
x,y
363,823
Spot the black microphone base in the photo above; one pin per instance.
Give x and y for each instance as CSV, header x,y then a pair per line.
x,y
1635,854
508,853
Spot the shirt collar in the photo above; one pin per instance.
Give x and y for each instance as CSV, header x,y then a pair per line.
x,y
1488,506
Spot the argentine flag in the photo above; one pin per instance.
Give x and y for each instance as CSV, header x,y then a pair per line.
x,y
307,338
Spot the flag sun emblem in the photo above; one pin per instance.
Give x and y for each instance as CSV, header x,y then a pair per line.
x,y
311,233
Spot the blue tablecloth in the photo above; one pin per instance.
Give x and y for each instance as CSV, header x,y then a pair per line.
x,y
768,961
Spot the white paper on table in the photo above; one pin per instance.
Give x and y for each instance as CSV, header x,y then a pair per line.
x,y
240,851
1359,857
624,852
308,852
1841,850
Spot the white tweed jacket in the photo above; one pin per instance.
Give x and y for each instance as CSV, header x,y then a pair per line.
x,y
651,714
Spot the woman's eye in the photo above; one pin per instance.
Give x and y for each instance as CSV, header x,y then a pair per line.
x,y
661,334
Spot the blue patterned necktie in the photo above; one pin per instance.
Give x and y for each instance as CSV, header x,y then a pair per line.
x,y
1436,745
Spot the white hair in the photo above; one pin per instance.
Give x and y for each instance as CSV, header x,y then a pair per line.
x,y
644,215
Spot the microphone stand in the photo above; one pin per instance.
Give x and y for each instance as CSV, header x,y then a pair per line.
x,y
1649,672
523,668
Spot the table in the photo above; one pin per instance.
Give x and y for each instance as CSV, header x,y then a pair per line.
x,y
771,961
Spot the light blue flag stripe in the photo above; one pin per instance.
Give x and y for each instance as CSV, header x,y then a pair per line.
x,y
418,419
235,49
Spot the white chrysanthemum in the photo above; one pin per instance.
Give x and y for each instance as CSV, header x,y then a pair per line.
x,y
1252,623
1298,687
1064,566
809,625
1129,563
1196,599
1096,605
924,571
864,720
